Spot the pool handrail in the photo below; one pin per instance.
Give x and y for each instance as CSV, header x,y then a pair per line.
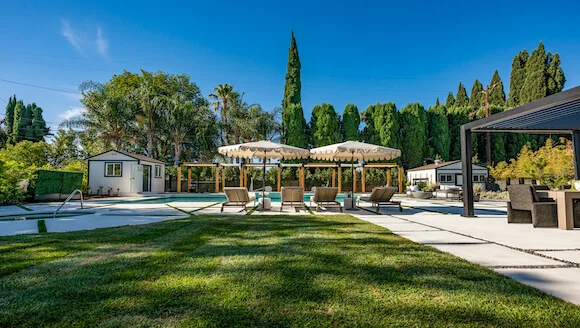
x,y
69,198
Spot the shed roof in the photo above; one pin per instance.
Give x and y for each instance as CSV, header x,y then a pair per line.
x,y
433,166
133,155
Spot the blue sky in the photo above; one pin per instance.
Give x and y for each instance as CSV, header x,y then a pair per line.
x,y
360,52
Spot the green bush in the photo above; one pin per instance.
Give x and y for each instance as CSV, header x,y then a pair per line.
x,y
15,180
57,182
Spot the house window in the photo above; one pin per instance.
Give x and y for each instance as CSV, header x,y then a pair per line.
x,y
158,171
479,178
113,169
445,178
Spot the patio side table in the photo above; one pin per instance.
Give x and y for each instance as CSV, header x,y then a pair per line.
x,y
565,205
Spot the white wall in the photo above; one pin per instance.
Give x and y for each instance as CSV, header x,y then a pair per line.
x,y
157,184
97,177
423,174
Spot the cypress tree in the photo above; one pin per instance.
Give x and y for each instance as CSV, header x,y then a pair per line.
x,y
369,135
438,132
477,98
10,118
497,95
324,126
517,78
19,125
556,78
437,102
461,100
351,122
27,118
293,122
387,125
450,100
457,116
536,83
39,129
414,134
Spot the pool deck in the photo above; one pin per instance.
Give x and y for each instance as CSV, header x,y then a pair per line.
x,y
545,258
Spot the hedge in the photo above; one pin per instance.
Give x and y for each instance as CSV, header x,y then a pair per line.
x,y
58,182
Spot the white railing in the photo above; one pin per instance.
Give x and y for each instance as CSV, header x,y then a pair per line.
x,y
69,198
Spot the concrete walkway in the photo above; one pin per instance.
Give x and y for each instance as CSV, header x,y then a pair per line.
x,y
547,259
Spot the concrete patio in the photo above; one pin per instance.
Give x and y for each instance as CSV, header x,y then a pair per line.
x,y
545,258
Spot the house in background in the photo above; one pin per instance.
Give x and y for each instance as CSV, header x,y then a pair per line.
x,y
126,173
446,174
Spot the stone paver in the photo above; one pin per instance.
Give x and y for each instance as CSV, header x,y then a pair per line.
x,y
570,256
437,237
560,282
11,228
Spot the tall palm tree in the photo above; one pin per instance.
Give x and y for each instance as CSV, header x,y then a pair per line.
x,y
151,102
107,115
223,95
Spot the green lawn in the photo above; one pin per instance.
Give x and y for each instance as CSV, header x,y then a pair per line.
x,y
257,271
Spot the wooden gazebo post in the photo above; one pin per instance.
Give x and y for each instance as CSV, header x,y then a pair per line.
x,y
223,178
279,180
388,177
217,178
339,178
354,177
179,179
400,179
188,178
333,177
241,175
302,176
362,178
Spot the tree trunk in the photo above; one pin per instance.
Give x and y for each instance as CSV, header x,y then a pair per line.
x,y
177,152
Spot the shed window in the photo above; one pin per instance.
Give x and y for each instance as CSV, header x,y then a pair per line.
x,y
479,178
113,169
158,171
445,178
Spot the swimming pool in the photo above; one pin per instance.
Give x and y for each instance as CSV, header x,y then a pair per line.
x,y
275,196
43,215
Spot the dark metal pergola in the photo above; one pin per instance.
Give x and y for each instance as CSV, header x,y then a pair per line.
x,y
555,114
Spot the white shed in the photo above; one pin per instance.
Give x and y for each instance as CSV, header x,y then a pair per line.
x,y
445,173
126,173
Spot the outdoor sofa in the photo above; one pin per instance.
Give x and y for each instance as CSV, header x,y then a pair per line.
x,y
526,206
382,196
237,197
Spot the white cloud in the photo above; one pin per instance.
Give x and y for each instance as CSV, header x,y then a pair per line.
x,y
72,112
72,96
71,36
102,44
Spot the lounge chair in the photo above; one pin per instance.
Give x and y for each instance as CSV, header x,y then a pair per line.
x,y
292,196
325,197
382,196
525,206
238,197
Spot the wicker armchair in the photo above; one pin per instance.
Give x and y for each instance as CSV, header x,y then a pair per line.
x,y
526,207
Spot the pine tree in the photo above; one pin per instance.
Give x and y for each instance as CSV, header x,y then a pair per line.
x,y
477,98
293,122
536,83
10,118
497,95
556,78
414,134
461,100
450,100
39,129
19,125
351,122
324,126
517,78
438,140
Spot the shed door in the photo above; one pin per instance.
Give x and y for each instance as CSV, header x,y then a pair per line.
x,y
459,179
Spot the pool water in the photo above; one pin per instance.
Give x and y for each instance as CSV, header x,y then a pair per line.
x,y
275,196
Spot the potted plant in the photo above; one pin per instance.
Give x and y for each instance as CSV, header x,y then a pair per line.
x,y
118,191
89,191
100,191
110,193
477,190
425,191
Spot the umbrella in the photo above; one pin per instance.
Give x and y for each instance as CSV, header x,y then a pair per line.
x,y
263,149
354,150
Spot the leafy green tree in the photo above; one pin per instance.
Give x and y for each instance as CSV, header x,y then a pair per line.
x,y
387,123
461,100
497,95
439,140
368,134
450,102
10,118
324,126
39,128
222,96
477,98
457,116
293,122
536,84
65,148
351,122
517,78
414,134
556,78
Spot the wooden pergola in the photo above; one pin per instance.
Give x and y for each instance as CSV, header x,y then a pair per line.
x,y
244,173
